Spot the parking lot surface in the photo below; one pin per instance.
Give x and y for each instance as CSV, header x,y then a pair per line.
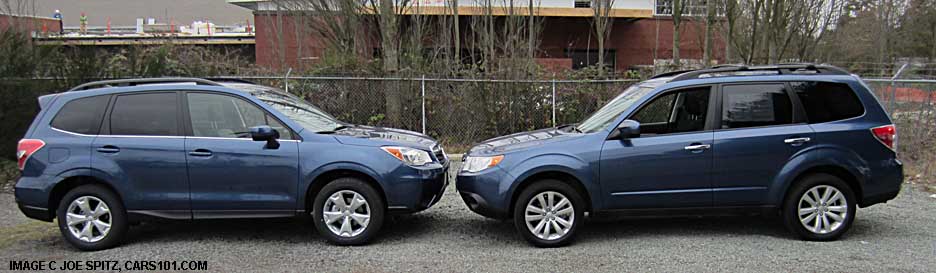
x,y
899,236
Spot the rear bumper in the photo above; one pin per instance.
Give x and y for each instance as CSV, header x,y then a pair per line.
x,y
885,184
37,213
31,196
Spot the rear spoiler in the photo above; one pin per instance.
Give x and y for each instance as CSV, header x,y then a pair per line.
x,y
45,100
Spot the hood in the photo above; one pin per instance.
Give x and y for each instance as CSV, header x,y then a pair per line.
x,y
518,141
380,136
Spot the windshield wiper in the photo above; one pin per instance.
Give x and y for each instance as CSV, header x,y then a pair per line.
x,y
573,125
332,131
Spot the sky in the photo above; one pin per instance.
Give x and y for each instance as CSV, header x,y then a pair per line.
x,y
125,12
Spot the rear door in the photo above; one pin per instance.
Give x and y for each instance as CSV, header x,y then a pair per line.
x,y
761,127
140,148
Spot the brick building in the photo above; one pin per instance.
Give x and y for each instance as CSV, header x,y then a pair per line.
x,y
641,34
29,24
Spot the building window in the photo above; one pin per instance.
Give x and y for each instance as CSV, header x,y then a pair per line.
x,y
582,3
690,8
582,58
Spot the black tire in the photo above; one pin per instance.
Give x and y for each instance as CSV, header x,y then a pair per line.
x,y
375,205
541,187
117,217
792,206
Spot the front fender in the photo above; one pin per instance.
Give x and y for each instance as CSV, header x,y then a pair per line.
x,y
818,156
571,165
309,178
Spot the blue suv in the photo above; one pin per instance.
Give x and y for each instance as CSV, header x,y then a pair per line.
x,y
808,142
107,154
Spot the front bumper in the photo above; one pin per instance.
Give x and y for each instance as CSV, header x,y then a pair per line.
x,y
417,189
485,192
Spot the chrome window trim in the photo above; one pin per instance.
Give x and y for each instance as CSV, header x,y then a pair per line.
x,y
174,137
240,138
69,132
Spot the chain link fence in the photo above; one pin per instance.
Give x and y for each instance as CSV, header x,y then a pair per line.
x,y
912,106
457,112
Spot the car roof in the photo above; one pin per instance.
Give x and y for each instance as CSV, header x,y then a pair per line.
x,y
738,73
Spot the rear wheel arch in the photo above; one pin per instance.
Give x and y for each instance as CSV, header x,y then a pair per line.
x,y
565,177
327,177
65,185
839,172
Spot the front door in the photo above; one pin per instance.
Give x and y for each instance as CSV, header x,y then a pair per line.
x,y
232,175
669,164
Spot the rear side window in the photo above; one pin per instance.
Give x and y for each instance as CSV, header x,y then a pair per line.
x,y
827,101
755,105
152,114
82,115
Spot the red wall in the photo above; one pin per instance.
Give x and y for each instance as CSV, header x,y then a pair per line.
x,y
29,24
633,40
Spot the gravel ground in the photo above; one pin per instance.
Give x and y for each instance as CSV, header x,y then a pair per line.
x,y
899,236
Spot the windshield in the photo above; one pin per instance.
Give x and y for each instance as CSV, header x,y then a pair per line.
x,y
604,116
297,109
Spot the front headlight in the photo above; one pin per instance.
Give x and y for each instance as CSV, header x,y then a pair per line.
x,y
475,164
410,156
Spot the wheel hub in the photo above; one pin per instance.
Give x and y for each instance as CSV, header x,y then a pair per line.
x,y
549,215
823,209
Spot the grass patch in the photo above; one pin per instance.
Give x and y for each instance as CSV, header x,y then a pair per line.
x,y
31,230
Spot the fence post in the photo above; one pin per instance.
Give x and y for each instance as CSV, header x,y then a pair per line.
x,y
893,86
423,98
286,79
554,101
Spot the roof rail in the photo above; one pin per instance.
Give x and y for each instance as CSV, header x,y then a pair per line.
x,y
143,81
670,74
782,69
229,80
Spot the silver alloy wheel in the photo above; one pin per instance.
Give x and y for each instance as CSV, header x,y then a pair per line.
x,y
88,219
346,213
549,215
823,209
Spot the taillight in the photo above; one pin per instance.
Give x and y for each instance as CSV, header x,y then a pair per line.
x,y
26,148
887,134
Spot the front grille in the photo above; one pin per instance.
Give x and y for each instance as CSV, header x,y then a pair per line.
x,y
439,153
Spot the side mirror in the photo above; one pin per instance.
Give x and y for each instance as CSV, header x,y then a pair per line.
x,y
627,129
265,133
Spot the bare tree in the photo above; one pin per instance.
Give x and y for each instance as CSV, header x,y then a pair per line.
x,y
679,7
711,13
602,21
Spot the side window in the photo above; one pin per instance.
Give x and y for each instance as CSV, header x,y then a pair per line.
x,y
214,115
82,115
826,101
755,105
150,114
677,112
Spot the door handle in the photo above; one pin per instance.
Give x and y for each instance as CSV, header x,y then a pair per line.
x,y
796,141
697,147
110,149
200,152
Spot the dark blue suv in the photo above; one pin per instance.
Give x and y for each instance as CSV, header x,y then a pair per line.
x,y
108,154
808,142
